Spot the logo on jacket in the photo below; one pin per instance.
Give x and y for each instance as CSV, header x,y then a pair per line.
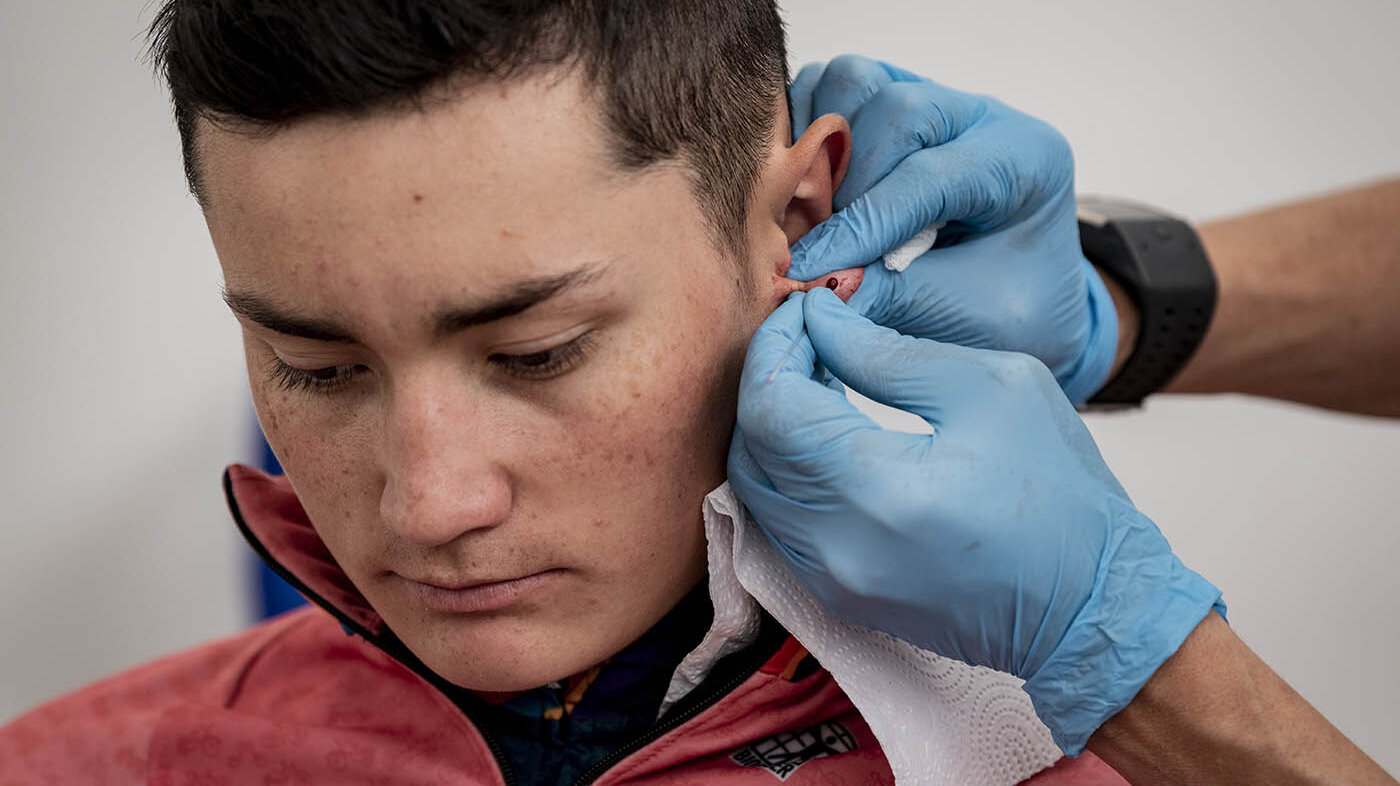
x,y
783,753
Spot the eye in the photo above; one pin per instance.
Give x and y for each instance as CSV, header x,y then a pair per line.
x,y
319,380
545,364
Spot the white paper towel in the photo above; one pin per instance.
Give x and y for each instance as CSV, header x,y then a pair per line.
x,y
939,721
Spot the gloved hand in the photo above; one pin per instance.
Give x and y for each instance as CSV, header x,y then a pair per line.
x,y
1002,540
1014,277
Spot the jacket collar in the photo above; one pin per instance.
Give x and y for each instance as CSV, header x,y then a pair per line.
x,y
273,521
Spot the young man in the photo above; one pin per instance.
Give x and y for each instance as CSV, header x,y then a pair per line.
x,y
496,265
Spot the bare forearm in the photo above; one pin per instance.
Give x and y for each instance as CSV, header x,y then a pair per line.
x,y
1216,714
1309,306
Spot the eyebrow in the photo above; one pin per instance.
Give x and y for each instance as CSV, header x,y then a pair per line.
x,y
515,299
518,298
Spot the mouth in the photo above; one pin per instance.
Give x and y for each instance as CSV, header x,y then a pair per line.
x,y
480,596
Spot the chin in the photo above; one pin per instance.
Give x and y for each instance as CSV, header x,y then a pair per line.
x,y
513,655
516,678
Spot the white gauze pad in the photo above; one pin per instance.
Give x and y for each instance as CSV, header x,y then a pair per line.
x,y
902,257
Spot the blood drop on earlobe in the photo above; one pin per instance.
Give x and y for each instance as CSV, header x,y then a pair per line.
x,y
843,282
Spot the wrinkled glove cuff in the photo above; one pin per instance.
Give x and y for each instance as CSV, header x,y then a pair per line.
x,y
1096,362
1143,606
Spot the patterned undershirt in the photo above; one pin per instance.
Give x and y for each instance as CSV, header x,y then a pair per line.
x,y
555,733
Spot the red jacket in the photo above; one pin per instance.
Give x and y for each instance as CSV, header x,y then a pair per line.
x,y
297,700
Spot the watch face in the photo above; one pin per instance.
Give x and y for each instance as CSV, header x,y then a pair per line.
x,y
1091,216
1099,210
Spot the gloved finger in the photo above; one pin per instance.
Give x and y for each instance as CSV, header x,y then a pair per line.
x,y
827,378
856,67
847,83
742,466
900,371
898,74
880,298
792,422
802,93
781,376
967,294
780,346
952,295
752,485
900,120
800,97
957,181
798,486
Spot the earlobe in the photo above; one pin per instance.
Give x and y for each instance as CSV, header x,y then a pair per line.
x,y
819,160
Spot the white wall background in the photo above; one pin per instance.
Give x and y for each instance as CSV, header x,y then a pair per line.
x,y
121,393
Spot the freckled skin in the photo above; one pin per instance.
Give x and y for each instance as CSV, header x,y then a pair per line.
x,y
434,462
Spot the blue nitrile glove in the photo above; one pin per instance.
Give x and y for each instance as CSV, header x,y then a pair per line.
x,y
1014,277
1002,540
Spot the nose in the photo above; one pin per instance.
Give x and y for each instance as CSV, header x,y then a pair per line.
x,y
442,476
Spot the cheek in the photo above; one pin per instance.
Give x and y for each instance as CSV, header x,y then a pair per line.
x,y
658,421
654,442
290,426
320,449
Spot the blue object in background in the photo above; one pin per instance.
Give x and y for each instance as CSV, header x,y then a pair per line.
x,y
274,595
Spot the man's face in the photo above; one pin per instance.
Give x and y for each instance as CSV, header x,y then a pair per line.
x,y
498,372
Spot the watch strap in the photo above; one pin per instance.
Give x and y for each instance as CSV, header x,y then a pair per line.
x,y
1162,265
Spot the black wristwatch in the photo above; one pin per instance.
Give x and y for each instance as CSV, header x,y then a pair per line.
x,y
1160,262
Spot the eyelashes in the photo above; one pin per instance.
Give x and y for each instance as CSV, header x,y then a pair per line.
x,y
320,380
535,366
546,364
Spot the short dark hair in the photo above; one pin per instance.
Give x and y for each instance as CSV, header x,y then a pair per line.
x,y
694,80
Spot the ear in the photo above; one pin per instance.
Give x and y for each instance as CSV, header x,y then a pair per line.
x,y
816,164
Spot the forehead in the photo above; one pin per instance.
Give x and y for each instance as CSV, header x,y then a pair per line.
x,y
497,138
495,180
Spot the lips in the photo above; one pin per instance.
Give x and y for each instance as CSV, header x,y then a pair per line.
x,y
454,586
470,597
